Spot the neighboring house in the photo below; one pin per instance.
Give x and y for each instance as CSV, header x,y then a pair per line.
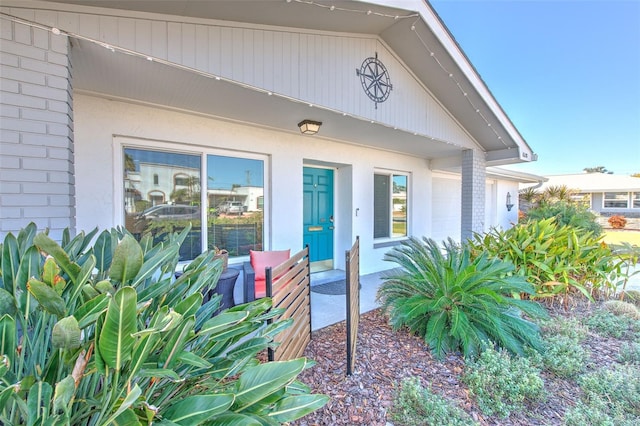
x,y
606,194
109,107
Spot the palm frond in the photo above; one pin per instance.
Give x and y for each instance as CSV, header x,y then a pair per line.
x,y
455,301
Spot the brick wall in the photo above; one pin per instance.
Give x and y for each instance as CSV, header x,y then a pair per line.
x,y
36,130
473,193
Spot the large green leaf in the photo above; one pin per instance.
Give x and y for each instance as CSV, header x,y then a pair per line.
x,y
38,402
190,305
7,303
258,382
223,321
84,276
127,260
49,246
25,236
148,339
29,267
65,389
47,297
7,393
127,418
8,336
128,401
103,251
176,342
194,410
150,266
190,358
116,340
160,373
10,262
89,312
293,407
66,334
236,419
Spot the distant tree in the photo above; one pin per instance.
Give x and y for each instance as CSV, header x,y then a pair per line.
x,y
598,169
636,175
129,163
557,193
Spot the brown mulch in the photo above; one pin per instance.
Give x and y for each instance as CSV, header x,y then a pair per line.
x,y
385,357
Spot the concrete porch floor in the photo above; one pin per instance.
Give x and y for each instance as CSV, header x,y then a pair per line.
x,y
330,309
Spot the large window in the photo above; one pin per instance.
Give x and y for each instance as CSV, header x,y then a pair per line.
x,y
165,191
616,200
390,205
636,200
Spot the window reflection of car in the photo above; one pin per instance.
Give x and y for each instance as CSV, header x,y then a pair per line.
x,y
170,211
231,207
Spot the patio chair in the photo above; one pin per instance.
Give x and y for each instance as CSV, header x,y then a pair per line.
x,y
254,280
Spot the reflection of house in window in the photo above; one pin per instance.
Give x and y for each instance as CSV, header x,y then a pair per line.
x,y
156,197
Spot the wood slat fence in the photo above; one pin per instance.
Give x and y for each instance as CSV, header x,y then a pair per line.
x,y
289,286
353,302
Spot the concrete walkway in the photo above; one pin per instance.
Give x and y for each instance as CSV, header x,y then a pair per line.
x,y
330,309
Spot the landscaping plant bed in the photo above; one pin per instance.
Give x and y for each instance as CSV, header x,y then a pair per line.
x,y
386,357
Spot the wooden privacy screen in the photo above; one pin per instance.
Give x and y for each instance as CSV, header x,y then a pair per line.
x,y
353,302
291,290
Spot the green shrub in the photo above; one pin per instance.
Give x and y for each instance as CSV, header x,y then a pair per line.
x,y
610,397
455,302
502,383
563,356
629,353
571,328
620,308
567,214
414,405
632,296
608,324
559,261
103,333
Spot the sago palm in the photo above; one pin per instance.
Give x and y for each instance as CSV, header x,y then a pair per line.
x,y
457,303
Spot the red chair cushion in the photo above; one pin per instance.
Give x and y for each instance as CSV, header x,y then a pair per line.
x,y
263,259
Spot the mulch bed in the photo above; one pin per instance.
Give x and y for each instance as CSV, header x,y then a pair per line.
x,y
385,357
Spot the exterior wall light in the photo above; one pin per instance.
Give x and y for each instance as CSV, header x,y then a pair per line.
x,y
309,127
509,203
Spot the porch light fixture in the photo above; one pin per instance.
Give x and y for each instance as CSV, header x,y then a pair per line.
x,y
309,127
509,203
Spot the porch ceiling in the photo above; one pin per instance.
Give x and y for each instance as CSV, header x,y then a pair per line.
x,y
194,92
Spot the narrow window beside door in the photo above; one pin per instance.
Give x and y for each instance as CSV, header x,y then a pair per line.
x,y
390,214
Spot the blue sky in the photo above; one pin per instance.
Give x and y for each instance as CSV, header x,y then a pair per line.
x,y
566,72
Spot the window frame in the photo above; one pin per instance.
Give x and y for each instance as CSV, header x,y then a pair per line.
x,y
120,143
605,200
635,200
391,239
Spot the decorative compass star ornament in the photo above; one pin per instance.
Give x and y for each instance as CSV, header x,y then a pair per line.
x,y
375,79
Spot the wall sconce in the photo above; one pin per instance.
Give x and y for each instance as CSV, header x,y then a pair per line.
x,y
309,127
509,203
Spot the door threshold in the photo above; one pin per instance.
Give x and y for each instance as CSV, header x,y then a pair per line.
x,y
320,266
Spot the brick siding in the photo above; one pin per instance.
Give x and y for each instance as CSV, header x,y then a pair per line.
x,y
473,193
36,130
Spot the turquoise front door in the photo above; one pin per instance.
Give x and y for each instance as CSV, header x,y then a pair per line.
x,y
318,213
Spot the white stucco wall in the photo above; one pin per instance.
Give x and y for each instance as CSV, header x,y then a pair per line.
x,y
103,124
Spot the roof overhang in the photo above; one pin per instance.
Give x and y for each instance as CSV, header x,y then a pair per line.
x,y
451,78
